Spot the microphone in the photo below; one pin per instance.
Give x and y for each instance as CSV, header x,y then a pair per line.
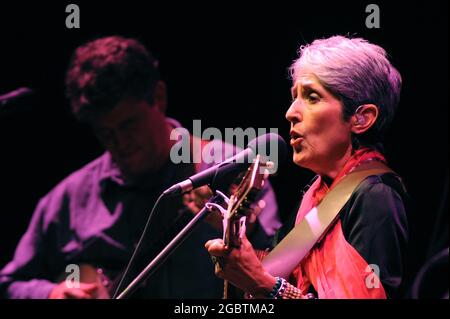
x,y
15,95
16,101
239,162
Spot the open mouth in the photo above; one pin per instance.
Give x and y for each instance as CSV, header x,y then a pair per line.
x,y
296,139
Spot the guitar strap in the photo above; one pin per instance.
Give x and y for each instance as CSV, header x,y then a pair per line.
x,y
297,244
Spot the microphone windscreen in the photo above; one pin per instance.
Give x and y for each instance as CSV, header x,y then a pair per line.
x,y
271,147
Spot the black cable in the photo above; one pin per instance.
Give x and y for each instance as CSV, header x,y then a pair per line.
x,y
137,246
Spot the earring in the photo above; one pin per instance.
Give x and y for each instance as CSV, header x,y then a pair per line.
x,y
359,119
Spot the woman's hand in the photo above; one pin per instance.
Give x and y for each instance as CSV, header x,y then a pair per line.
x,y
241,267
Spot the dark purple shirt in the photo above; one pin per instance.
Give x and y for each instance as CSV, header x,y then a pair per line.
x,y
94,217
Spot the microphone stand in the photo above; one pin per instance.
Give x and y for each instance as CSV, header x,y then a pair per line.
x,y
168,250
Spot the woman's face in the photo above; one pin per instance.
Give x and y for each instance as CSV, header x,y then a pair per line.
x,y
320,138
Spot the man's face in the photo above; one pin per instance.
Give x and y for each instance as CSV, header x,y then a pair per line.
x,y
137,136
319,136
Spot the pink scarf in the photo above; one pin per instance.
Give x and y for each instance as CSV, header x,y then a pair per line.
x,y
334,267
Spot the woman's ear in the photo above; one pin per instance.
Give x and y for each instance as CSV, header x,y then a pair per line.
x,y
364,118
160,96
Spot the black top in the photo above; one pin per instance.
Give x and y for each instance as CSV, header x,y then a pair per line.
x,y
374,222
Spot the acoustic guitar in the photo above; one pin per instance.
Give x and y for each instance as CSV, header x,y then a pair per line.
x,y
239,209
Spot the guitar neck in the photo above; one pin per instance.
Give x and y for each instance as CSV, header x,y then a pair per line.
x,y
239,207
232,238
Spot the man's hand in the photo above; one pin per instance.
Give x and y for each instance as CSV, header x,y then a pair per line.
x,y
196,199
84,291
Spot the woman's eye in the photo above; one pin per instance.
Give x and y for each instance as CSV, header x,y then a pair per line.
x,y
312,97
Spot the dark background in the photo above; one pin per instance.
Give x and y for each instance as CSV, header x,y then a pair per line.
x,y
225,64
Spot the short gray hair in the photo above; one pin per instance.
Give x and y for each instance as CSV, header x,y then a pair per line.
x,y
357,72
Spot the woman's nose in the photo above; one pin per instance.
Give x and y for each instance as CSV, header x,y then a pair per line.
x,y
293,115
